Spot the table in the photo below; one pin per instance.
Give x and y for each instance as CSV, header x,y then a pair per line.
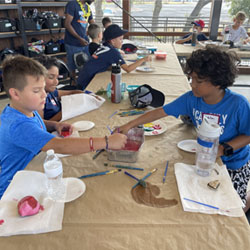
x,y
187,49
106,216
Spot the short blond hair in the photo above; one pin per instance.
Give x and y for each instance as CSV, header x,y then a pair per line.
x,y
15,70
241,15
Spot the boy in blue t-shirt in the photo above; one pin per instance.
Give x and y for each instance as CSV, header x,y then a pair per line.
x,y
23,134
198,25
211,72
106,55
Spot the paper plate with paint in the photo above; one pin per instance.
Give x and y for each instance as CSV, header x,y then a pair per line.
x,y
83,125
145,69
188,146
75,188
154,128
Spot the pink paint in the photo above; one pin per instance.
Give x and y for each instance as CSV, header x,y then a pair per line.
x,y
28,206
132,145
1,222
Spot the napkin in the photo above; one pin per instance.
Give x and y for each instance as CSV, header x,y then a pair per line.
x,y
23,184
78,104
194,187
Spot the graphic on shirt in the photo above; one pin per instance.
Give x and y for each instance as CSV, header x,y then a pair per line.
x,y
102,49
82,20
216,118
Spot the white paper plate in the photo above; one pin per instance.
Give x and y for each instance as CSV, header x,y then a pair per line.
x,y
188,145
162,129
145,69
83,125
75,188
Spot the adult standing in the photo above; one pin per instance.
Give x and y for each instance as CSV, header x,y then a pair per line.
x,y
78,16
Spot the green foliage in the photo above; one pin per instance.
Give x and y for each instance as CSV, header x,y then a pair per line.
x,y
240,5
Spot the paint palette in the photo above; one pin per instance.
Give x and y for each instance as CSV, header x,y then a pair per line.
x,y
188,145
154,128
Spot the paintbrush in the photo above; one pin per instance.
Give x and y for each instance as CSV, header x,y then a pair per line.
x,y
145,177
140,181
126,167
100,173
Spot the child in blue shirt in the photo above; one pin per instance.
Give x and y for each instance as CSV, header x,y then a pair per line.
x,y
52,108
106,55
211,71
23,134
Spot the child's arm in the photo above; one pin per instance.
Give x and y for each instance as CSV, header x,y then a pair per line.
x,y
82,145
68,92
133,66
145,118
238,142
181,41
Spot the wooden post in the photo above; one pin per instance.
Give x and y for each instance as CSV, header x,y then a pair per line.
x,y
125,16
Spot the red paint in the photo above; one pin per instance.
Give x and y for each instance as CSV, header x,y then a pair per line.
x,y
1,222
65,132
132,145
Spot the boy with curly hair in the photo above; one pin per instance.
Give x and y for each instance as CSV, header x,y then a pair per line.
x,y
211,71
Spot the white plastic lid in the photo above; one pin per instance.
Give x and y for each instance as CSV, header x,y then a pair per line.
x,y
54,171
209,129
50,152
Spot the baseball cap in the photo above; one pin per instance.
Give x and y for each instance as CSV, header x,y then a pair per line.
x,y
199,23
113,31
145,96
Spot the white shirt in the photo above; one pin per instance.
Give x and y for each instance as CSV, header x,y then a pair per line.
x,y
236,35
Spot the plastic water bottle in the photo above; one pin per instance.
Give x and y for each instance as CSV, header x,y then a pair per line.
x,y
194,37
116,76
54,172
207,148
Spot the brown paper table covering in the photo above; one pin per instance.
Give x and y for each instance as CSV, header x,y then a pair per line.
x,y
106,216
169,66
187,49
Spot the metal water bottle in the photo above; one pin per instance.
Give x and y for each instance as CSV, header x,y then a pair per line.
x,y
116,95
226,38
194,37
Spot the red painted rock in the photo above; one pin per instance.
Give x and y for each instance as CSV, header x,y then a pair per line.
x,y
28,206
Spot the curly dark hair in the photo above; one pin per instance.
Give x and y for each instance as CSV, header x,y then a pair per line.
x,y
213,64
47,61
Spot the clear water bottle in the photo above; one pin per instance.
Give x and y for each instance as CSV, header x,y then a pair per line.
x,y
207,147
116,75
54,172
194,37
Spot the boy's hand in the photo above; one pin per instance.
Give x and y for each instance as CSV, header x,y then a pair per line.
x,y
64,126
117,141
123,129
148,58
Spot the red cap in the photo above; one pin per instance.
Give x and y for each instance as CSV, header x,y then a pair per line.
x,y
199,23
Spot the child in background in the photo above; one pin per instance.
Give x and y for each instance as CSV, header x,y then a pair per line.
x,y
106,55
237,33
95,33
23,133
106,21
53,109
198,25
211,71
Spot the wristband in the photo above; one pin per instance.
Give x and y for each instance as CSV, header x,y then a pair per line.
x,y
107,142
91,146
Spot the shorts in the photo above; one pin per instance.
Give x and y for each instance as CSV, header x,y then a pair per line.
x,y
240,178
71,50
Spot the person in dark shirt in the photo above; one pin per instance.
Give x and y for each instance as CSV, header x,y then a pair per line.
x,y
78,16
106,55
95,33
198,25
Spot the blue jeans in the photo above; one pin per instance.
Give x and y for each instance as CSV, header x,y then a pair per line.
x,y
71,50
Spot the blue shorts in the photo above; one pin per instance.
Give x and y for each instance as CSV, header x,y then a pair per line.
x,y
71,50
